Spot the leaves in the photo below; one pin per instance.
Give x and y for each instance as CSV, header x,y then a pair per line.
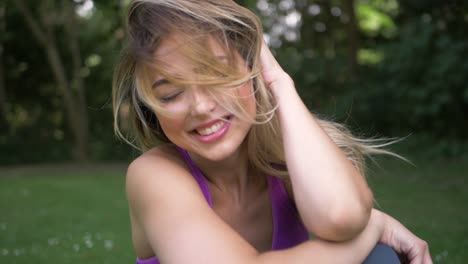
x,y
374,22
410,77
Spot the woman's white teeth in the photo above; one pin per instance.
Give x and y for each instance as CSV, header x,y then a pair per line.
x,y
210,130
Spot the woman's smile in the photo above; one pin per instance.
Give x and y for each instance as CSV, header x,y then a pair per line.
x,y
213,130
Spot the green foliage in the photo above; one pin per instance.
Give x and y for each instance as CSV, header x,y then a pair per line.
x,y
369,57
373,22
412,77
420,86
37,129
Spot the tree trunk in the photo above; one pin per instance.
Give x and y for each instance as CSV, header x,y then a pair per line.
x,y
3,120
82,123
353,37
75,106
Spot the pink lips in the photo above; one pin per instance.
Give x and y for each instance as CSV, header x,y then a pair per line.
x,y
216,135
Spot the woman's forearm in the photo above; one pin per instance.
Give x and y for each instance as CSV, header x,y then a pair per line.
x,y
320,251
333,198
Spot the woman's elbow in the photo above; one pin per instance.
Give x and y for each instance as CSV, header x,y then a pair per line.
x,y
346,221
348,224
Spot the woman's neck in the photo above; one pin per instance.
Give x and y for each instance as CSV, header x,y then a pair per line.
x,y
233,176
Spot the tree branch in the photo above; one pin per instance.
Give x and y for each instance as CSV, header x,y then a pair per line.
x,y
33,24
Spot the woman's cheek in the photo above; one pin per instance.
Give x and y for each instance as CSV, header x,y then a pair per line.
x,y
172,127
248,98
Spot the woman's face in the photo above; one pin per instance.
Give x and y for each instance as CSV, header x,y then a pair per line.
x,y
198,123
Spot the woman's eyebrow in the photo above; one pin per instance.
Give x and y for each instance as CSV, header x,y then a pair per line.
x,y
159,82
164,81
222,57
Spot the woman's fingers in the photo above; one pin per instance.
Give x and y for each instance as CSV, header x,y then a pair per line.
x,y
423,252
269,64
267,60
427,256
420,253
274,76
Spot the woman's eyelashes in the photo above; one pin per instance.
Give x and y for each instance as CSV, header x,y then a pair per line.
x,y
170,97
165,91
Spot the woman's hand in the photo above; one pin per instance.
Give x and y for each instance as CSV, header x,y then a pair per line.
x,y
409,247
275,78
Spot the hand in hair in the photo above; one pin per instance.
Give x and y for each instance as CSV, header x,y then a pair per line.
x,y
274,76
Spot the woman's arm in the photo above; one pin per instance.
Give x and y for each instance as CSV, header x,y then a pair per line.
x,y
332,197
322,251
181,228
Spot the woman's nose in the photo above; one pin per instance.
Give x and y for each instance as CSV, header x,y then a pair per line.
x,y
202,101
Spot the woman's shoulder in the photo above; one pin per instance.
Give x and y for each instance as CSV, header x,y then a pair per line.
x,y
148,178
157,160
157,168
164,152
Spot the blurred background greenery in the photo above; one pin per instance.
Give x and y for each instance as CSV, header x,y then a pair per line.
x,y
385,67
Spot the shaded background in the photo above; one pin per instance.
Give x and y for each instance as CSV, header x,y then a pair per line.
x,y
386,68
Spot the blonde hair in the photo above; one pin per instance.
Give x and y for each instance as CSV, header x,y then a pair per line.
x,y
240,32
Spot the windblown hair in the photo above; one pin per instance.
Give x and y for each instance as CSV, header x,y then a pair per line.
x,y
239,31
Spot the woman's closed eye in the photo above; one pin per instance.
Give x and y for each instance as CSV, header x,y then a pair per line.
x,y
170,97
165,91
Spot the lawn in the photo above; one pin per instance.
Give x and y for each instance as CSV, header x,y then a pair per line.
x,y
75,215
431,199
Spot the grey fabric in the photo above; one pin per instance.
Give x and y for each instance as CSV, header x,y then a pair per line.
x,y
382,254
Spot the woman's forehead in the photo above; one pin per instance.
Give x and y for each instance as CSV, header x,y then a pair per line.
x,y
174,46
181,55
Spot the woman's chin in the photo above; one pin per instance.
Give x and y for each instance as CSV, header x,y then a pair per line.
x,y
219,153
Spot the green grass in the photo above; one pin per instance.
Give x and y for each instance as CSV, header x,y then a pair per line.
x,y
72,216
429,198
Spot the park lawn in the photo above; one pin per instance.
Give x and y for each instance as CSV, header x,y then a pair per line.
x,y
430,198
76,217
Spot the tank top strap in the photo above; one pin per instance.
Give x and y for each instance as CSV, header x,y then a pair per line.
x,y
198,175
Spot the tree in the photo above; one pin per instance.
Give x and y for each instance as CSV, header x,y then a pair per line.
x,y
3,120
353,36
72,89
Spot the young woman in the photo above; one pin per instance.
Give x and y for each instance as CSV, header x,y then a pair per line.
x,y
235,169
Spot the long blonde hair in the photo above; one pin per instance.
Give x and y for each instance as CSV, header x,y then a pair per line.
x,y
240,32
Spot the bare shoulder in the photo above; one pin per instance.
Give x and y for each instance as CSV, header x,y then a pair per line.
x,y
156,165
155,170
165,156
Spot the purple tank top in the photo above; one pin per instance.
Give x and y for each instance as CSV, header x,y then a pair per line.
x,y
288,229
